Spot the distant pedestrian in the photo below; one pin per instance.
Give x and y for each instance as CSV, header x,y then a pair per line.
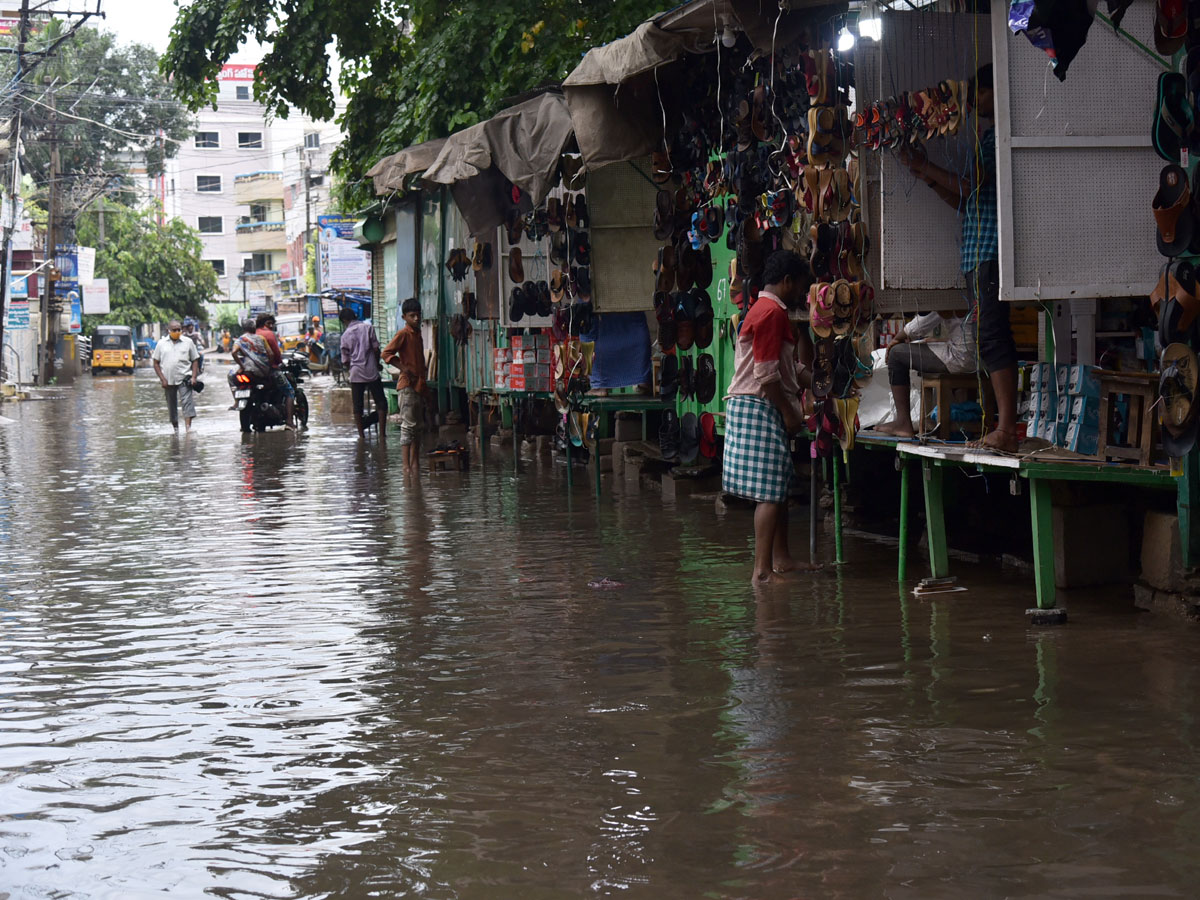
x,y
177,364
360,357
406,352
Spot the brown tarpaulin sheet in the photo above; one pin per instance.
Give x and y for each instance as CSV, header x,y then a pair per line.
x,y
616,94
521,145
389,172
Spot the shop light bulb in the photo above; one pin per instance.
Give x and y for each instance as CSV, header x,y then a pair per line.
x,y
845,40
728,36
870,25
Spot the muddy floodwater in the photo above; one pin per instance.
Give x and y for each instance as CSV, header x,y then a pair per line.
x,y
268,667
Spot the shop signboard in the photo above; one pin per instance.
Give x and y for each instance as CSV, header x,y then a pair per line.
x,y
18,315
67,261
19,287
86,264
342,264
96,298
72,296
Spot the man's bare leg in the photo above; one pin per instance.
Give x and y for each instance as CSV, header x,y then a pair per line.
x,y
902,425
782,560
766,523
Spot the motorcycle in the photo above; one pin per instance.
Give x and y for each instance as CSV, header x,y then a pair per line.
x,y
325,356
260,404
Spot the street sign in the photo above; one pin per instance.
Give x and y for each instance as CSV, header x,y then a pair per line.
x,y
18,315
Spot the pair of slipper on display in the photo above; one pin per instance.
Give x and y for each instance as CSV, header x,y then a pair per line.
x,y
684,440
680,378
685,319
681,267
458,263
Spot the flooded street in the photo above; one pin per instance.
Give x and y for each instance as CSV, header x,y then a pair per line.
x,y
267,667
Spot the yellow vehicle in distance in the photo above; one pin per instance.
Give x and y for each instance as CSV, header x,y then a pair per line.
x,y
112,349
289,328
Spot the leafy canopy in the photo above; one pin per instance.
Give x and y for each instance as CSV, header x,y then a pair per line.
x,y
155,273
411,69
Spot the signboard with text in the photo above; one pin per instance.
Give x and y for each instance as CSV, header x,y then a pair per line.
x,y
96,299
341,263
18,315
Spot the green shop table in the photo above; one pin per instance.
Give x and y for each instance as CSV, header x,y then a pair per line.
x,y
933,460
615,403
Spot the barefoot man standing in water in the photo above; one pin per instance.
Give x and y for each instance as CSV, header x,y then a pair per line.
x,y
763,410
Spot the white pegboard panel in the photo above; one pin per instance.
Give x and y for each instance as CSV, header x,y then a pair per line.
x,y
621,200
1076,172
1068,232
1094,98
915,254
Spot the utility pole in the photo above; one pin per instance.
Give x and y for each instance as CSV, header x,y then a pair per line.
x,y
14,145
50,305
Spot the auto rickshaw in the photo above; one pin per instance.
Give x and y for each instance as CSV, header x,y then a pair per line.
x,y
112,349
289,328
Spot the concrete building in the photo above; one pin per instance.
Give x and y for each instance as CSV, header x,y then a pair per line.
x,y
241,182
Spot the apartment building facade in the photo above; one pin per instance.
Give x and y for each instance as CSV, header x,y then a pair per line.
x,y
248,184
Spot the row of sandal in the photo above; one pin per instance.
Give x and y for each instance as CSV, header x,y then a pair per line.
x,y
913,117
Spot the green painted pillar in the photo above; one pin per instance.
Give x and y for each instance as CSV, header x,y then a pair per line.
x,y
935,519
1042,516
902,563
837,508
1188,505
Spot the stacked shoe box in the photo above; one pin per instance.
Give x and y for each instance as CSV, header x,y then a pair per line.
x,y
1083,422
1064,406
1043,402
529,369
501,360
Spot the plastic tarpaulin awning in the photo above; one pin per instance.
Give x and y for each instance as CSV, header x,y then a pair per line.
x,y
616,102
389,172
521,145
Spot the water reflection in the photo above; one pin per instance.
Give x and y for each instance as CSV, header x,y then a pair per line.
x,y
272,666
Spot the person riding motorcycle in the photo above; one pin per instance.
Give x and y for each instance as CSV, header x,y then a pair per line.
x,y
266,330
251,353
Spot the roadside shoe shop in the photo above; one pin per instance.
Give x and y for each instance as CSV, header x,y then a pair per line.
x,y
589,252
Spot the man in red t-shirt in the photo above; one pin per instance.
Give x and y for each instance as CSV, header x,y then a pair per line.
x,y
265,329
763,410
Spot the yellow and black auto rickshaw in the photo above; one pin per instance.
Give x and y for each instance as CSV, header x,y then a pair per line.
x,y
112,349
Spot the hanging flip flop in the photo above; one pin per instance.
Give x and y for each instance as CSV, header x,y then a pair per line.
x,y
820,313
842,307
1173,117
823,356
1172,208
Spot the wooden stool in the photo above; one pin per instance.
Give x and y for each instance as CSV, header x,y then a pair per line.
x,y
442,459
941,384
1142,390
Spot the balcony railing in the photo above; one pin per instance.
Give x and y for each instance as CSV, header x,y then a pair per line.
x,y
252,177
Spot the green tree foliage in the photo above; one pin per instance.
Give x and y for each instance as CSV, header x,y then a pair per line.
x,y
117,87
411,69
155,273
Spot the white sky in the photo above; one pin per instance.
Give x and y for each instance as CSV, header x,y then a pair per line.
x,y
149,22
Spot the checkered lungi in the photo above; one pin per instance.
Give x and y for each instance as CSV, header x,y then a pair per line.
x,y
758,457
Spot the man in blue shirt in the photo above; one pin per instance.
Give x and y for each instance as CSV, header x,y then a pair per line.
x,y
975,199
